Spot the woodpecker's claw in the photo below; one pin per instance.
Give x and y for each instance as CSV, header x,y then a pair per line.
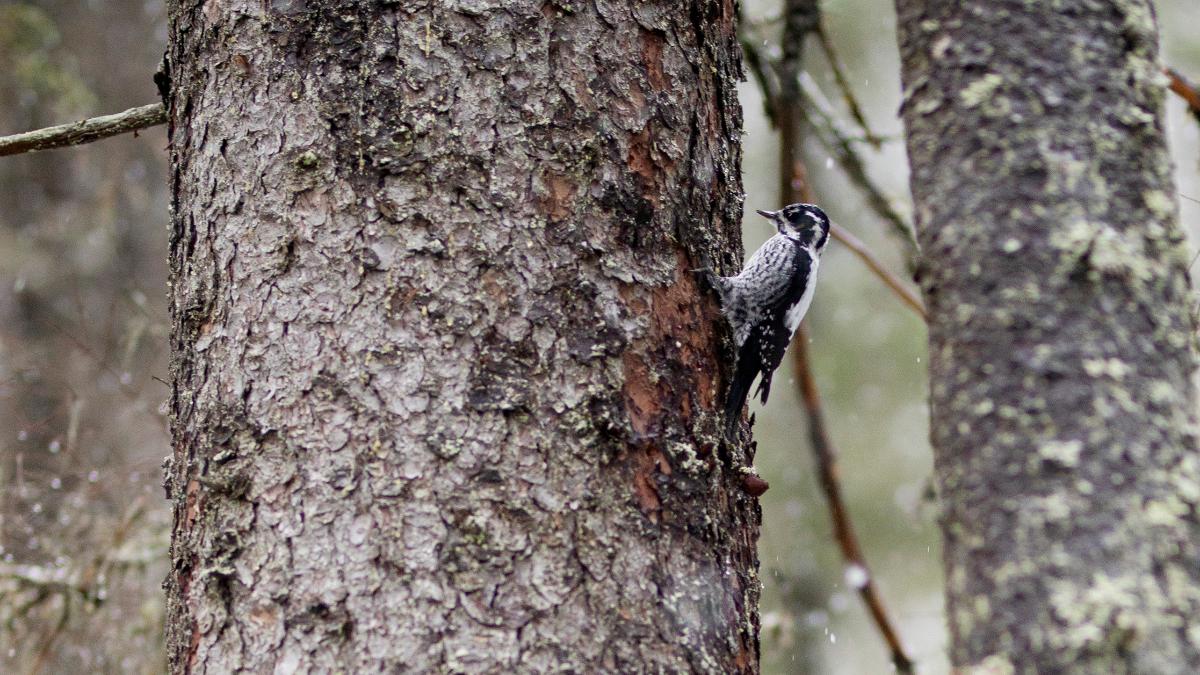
x,y
710,277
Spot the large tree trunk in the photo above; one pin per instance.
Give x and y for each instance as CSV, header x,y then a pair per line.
x,y
444,386
1060,334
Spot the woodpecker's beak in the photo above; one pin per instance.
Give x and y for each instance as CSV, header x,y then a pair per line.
x,y
766,214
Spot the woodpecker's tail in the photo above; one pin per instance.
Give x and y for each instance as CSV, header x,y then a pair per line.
x,y
764,386
743,377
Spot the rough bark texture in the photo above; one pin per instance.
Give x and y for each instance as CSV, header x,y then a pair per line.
x,y
444,387
1060,334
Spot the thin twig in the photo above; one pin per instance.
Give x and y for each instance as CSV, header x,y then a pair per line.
x,y
84,131
826,456
843,83
893,282
839,142
44,653
1181,86
843,529
755,62
72,586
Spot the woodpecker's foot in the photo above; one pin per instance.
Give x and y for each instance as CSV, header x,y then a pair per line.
x,y
710,278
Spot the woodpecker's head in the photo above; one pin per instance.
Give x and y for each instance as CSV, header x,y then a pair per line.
x,y
805,223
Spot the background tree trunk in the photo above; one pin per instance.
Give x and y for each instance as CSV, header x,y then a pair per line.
x,y
444,389
1060,334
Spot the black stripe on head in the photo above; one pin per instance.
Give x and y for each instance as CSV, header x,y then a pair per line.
x,y
805,222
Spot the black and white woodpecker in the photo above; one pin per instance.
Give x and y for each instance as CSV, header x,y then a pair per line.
x,y
766,301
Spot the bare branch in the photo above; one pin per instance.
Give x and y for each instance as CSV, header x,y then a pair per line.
x,y
84,131
843,83
893,282
838,141
757,65
1185,90
843,530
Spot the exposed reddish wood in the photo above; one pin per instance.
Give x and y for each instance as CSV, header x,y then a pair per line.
x,y
754,486
652,47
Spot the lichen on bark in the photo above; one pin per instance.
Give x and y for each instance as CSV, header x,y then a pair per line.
x,y
1061,339
443,382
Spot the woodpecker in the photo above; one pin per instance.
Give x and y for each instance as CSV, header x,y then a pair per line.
x,y
766,301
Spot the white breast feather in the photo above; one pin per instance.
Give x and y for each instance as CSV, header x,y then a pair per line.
x,y
797,311
751,291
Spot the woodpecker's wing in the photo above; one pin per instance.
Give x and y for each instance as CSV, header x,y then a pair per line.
x,y
763,283
779,321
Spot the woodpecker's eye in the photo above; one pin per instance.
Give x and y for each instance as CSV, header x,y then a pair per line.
x,y
800,218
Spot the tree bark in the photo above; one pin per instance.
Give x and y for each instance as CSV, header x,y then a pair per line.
x,y
1060,336
445,390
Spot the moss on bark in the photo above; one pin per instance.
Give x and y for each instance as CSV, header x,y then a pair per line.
x,y
1061,339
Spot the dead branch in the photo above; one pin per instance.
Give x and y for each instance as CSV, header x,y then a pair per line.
x,y
843,529
843,83
839,141
84,131
1185,90
893,281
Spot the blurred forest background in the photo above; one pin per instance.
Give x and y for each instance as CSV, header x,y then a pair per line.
x,y
83,240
